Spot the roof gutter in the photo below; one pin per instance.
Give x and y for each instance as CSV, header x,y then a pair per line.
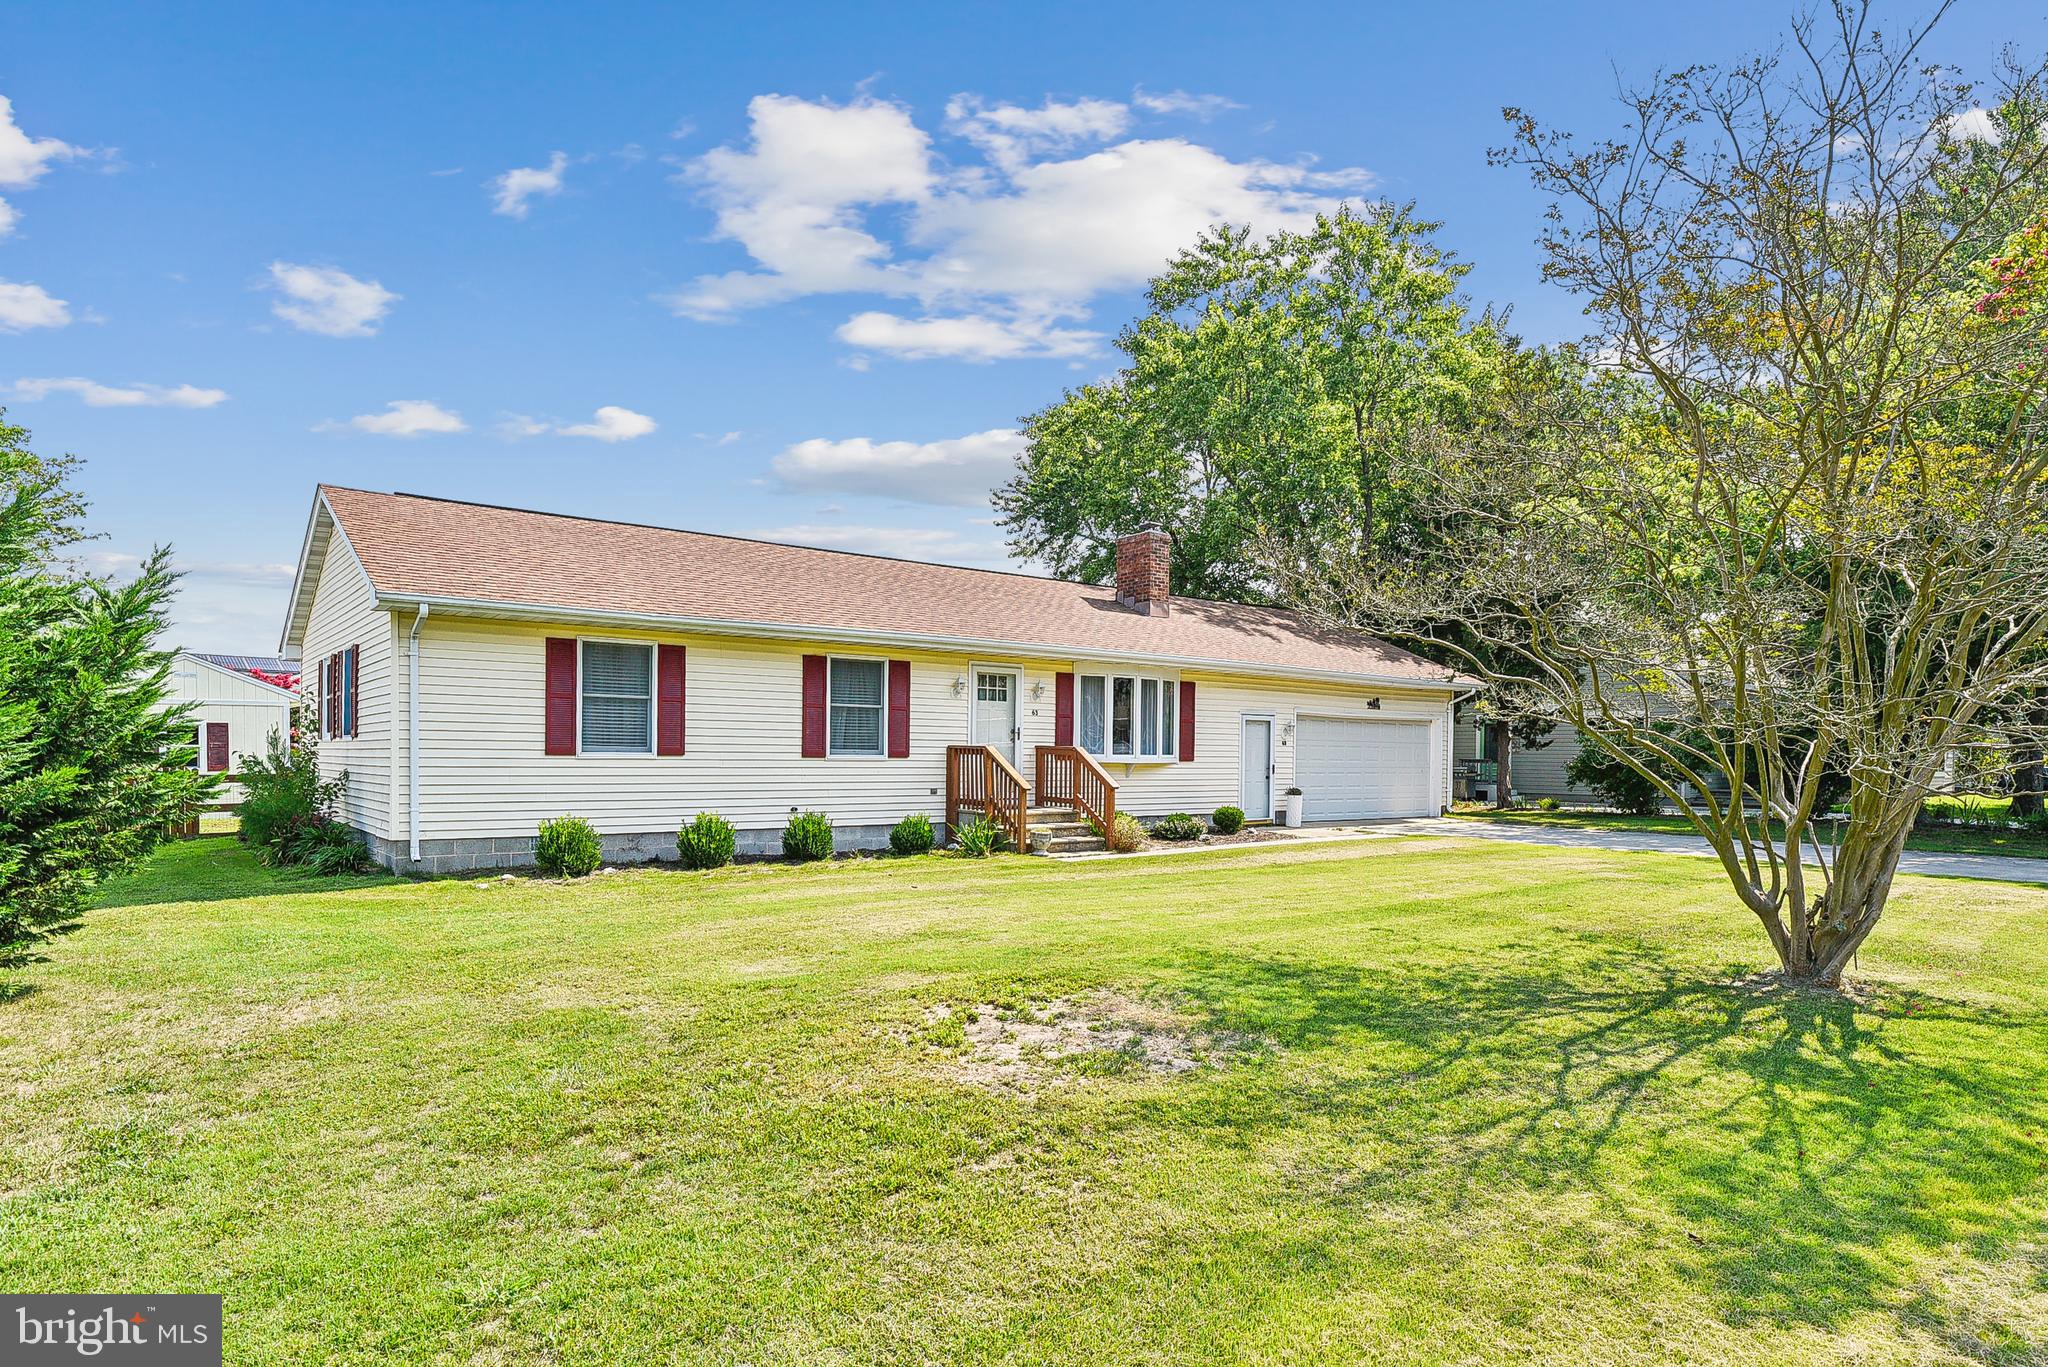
x,y
862,636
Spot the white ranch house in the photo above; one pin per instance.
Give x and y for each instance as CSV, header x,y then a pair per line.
x,y
477,669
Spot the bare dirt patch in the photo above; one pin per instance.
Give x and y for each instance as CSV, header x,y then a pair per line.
x,y
1070,1039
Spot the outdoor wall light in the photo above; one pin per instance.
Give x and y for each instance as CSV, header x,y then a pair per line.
x,y
959,685
1037,689
1286,732
1372,704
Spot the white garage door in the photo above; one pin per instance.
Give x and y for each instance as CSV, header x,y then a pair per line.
x,y
1348,769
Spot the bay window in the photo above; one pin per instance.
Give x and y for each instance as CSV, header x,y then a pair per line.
x,y
1129,717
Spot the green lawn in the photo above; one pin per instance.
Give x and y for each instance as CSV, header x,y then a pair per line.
x,y
1462,1103
1938,840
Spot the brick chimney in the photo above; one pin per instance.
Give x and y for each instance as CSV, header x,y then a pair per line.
x,y
1144,570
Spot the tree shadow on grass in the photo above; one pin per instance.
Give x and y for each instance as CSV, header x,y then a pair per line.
x,y
1805,1145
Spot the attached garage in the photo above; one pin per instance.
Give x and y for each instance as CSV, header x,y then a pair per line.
x,y
1348,768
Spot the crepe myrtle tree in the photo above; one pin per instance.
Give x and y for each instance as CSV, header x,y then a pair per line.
x,y
1792,525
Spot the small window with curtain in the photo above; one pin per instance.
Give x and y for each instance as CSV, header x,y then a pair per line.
x,y
855,695
617,684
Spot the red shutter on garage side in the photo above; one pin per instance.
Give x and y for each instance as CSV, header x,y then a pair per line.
x,y
1187,722
560,707
668,729
216,747
814,707
899,709
1062,709
355,667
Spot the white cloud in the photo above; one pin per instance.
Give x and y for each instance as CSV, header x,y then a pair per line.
x,y
97,395
851,199
402,418
957,472
30,306
967,338
523,183
1975,125
1011,135
24,159
330,302
1203,107
905,543
610,423
792,199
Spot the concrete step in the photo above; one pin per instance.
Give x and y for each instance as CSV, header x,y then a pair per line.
x,y
1058,830
1068,844
1051,814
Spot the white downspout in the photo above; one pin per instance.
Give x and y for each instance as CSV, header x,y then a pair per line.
x,y
412,726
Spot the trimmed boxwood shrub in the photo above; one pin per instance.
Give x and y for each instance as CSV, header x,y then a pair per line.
x,y
1179,826
568,847
979,838
807,836
913,835
706,843
1228,820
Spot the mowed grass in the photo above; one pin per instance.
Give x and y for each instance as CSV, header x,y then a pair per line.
x,y
1935,839
1495,1105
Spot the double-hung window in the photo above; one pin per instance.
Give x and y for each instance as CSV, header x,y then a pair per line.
x,y
617,682
856,706
1129,716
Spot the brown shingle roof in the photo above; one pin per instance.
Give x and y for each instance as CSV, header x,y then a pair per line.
x,y
415,547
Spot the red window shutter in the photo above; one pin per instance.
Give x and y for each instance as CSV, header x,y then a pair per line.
x,y
1062,709
814,707
1187,721
899,709
333,695
216,746
355,662
668,727
561,696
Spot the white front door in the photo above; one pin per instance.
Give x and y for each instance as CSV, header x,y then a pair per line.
x,y
1255,763
995,711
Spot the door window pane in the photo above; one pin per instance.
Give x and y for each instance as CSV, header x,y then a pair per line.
x,y
1092,714
856,718
1120,707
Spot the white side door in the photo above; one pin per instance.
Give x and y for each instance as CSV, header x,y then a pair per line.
x,y
1255,769
995,711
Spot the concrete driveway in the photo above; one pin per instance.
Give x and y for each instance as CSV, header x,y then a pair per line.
x,y
2000,868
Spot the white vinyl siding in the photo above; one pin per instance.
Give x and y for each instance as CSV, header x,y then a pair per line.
x,y
484,772
344,614
251,710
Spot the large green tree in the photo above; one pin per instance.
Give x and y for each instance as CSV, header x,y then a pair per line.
x,y
1265,389
93,765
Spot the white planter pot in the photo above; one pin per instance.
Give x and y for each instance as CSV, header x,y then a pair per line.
x,y
1291,814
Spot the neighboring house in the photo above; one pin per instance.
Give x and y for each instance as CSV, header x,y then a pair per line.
x,y
233,711
479,668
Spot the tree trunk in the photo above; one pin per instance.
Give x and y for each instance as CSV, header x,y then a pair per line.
x,y
1505,765
1824,940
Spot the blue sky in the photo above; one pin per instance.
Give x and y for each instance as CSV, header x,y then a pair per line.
x,y
785,272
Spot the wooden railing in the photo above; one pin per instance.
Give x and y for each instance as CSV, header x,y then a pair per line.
x,y
978,779
1068,776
